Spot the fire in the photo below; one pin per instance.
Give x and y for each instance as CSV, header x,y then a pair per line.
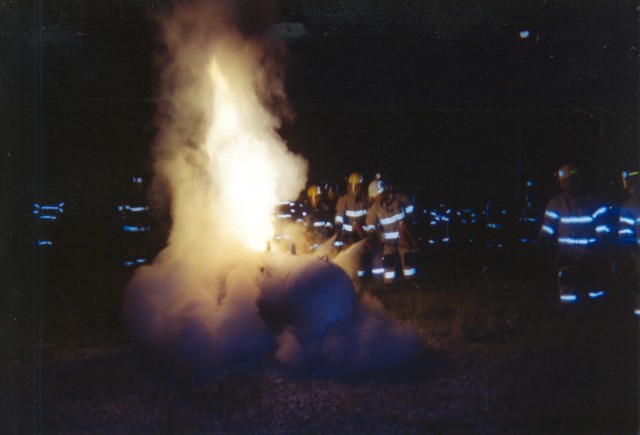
x,y
239,161
245,154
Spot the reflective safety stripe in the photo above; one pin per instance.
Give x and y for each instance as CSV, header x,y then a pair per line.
x,y
596,294
392,236
128,263
135,229
599,211
569,298
347,227
283,216
548,229
338,243
409,209
389,275
409,272
625,231
573,241
626,220
576,219
141,260
378,271
494,225
356,213
339,219
136,208
47,217
392,219
361,273
370,228
603,229
45,243
552,214
319,224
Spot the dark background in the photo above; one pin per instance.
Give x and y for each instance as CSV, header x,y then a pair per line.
x,y
444,98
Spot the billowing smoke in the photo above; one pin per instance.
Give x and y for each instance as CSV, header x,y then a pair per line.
x,y
213,296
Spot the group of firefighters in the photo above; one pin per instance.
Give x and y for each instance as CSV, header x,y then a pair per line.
x,y
376,215
590,241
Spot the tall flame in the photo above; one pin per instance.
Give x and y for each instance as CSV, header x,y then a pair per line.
x,y
241,161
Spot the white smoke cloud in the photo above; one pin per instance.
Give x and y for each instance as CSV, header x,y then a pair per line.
x,y
213,296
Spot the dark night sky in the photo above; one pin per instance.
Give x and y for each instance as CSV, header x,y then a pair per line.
x,y
443,97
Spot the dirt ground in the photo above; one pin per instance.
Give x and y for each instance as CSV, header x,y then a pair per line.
x,y
501,356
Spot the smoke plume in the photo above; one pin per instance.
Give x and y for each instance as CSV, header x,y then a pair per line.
x,y
219,167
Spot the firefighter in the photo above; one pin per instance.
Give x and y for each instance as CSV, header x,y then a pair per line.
x,y
136,225
572,227
351,210
629,234
48,215
316,217
386,224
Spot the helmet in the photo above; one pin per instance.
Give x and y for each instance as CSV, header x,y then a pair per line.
x,y
626,178
355,178
376,187
566,171
314,190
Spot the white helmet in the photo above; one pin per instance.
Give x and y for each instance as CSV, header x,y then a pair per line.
x,y
376,187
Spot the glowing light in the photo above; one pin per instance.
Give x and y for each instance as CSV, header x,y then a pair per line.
x,y
576,219
243,156
547,229
524,34
572,241
552,214
135,229
637,312
568,298
600,211
627,220
409,272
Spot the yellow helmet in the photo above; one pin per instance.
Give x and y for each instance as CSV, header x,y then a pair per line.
x,y
355,178
314,190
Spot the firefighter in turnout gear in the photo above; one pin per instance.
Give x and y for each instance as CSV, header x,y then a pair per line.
x,y
386,225
317,218
573,225
351,210
629,235
136,225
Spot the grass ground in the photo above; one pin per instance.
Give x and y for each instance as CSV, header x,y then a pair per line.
x,y
502,356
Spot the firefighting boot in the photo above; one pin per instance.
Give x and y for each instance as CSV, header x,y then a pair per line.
x,y
567,284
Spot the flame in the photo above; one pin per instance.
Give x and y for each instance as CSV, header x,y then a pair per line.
x,y
242,161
